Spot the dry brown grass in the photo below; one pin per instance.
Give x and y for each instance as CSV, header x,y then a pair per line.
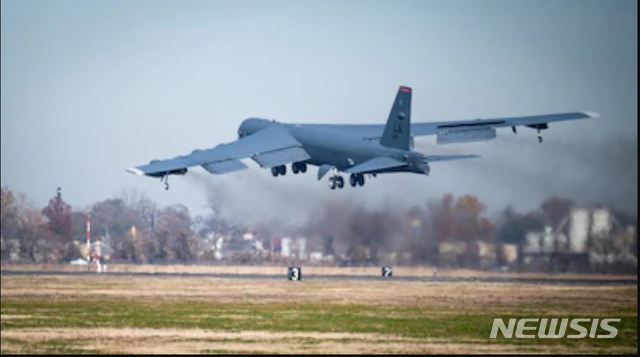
x,y
307,270
470,296
439,299
145,341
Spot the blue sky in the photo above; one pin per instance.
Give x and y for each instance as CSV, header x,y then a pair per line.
x,y
89,88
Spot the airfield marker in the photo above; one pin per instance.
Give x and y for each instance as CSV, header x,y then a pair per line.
x,y
294,273
88,235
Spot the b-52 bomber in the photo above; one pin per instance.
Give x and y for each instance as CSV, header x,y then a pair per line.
x,y
353,149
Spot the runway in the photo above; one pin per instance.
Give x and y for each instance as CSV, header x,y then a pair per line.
x,y
341,277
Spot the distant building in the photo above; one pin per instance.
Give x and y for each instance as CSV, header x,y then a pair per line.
x,y
285,247
295,248
587,236
229,248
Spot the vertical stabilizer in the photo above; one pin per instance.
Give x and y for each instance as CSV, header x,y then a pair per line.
x,y
397,132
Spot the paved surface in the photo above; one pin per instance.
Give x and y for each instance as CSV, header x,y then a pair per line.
x,y
318,277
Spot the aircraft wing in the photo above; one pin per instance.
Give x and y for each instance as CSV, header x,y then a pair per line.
x,y
374,164
272,146
418,129
458,130
434,158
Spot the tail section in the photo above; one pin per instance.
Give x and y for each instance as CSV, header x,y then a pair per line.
x,y
397,132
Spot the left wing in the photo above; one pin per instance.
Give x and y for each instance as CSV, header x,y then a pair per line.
x,y
418,129
269,147
459,130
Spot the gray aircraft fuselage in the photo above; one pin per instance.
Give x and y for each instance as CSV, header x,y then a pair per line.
x,y
328,146
354,149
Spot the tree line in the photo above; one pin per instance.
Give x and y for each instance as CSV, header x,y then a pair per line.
x,y
136,230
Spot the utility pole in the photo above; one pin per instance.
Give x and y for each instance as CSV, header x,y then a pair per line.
x,y
88,234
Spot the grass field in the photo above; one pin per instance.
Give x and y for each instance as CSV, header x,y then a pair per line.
x,y
112,314
308,270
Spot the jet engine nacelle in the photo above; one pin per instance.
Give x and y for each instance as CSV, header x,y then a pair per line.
x,y
465,135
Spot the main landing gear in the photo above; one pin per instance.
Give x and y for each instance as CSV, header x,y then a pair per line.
x,y
279,170
356,180
299,167
338,182
296,167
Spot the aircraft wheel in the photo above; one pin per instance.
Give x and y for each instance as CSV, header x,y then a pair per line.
x,y
275,171
353,181
340,181
361,179
283,170
303,167
332,183
294,168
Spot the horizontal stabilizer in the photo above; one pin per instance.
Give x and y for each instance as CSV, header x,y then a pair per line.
x,y
433,158
281,156
223,167
378,163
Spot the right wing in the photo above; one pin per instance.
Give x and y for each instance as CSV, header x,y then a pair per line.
x,y
269,147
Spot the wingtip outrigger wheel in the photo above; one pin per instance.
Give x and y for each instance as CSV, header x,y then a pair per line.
x,y
165,178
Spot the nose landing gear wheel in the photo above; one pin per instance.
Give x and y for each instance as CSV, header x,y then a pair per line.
x,y
332,183
336,182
